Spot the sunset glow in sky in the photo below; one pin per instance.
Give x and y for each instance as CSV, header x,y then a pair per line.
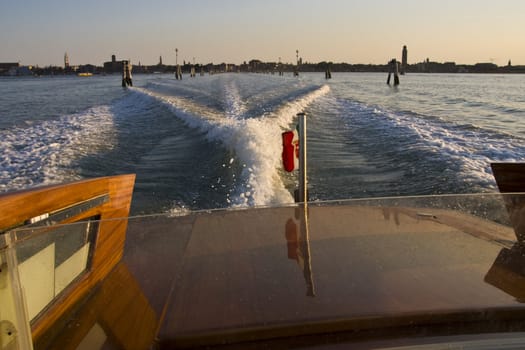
x,y
233,31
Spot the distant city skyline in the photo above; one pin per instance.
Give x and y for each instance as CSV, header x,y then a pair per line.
x,y
233,31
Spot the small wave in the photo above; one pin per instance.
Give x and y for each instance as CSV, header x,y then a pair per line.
x,y
473,148
178,209
467,148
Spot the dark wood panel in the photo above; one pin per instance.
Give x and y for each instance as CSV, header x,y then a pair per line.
x,y
510,177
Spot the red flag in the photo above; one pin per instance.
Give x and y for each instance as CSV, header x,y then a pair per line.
x,y
290,150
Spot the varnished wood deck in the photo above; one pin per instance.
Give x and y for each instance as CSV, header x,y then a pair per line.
x,y
236,281
230,276
274,274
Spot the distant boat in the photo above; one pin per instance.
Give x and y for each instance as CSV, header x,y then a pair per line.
x,y
84,74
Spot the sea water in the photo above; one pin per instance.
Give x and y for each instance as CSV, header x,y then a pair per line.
x,y
215,141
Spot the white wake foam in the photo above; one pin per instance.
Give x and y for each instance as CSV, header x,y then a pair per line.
x,y
235,106
43,152
256,142
472,148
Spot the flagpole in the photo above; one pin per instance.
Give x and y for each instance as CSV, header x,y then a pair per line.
x,y
303,198
303,191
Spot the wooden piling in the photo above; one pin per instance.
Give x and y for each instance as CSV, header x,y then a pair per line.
x,y
178,71
303,180
296,69
328,73
126,74
393,67
396,72
192,69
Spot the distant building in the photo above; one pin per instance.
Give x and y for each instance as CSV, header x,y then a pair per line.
x,y
24,71
484,68
404,59
15,69
66,61
113,66
428,66
254,65
7,67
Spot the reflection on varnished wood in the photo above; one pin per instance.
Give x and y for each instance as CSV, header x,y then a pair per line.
x,y
508,272
299,246
237,284
116,315
387,211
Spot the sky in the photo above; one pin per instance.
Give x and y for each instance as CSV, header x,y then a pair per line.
x,y
39,32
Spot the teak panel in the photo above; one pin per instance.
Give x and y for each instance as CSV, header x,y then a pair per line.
x,y
19,206
118,306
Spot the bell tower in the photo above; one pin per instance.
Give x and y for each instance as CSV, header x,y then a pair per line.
x,y
66,61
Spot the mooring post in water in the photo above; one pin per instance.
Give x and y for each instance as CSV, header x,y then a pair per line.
x,y
389,72
396,72
192,70
393,67
296,70
126,74
328,73
178,71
